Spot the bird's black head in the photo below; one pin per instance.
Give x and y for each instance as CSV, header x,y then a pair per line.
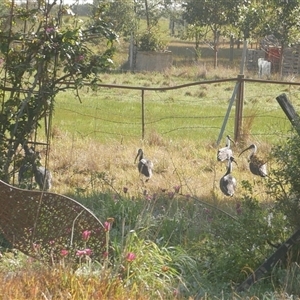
x,y
230,139
139,155
232,159
251,147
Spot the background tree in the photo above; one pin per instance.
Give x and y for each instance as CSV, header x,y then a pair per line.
x,y
214,14
120,14
44,51
282,19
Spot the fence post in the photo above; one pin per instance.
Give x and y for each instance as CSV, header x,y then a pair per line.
x,y
143,115
289,110
228,112
239,108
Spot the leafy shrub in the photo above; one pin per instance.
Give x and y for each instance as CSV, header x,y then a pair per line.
x,y
285,184
151,41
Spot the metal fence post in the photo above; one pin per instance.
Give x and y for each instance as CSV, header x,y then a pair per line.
x,y
238,126
143,114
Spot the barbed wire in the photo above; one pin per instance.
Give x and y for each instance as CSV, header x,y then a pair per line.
x,y
172,122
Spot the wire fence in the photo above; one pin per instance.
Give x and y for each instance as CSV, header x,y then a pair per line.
x,y
181,111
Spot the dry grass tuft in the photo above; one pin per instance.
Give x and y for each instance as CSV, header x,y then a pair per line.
x,y
59,283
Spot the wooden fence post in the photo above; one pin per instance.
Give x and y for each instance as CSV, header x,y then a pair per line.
x,y
270,262
239,108
289,110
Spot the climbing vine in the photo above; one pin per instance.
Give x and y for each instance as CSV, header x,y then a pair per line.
x,y
45,49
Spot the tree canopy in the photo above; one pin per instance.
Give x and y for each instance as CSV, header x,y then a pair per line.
x,y
215,14
45,49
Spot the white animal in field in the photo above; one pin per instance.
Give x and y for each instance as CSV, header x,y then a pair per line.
x,y
264,67
225,153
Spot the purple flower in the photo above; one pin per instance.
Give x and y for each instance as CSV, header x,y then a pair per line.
x,y
171,195
49,29
177,188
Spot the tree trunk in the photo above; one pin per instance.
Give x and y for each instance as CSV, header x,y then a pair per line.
x,y
216,43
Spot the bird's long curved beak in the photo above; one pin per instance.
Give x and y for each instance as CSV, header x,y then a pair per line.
x,y
233,159
136,158
231,140
244,151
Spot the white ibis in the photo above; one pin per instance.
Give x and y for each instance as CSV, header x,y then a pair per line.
x,y
145,165
257,166
225,153
228,182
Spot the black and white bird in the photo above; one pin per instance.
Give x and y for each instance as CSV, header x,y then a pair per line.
x,y
257,166
228,183
31,165
42,176
145,165
225,153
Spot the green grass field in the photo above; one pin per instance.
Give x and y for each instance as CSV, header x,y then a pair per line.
x,y
194,113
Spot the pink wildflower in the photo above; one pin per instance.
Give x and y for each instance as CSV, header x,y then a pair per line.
x,y
148,197
107,226
86,251
80,252
64,252
86,235
130,257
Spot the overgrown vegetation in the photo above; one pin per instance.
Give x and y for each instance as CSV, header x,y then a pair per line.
x,y
176,236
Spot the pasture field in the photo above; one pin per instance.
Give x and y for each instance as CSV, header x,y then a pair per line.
x,y
186,240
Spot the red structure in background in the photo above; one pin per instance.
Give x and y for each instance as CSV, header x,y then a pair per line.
x,y
272,54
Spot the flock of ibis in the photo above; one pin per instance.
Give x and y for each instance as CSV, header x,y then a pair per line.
x,y
228,182
257,166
